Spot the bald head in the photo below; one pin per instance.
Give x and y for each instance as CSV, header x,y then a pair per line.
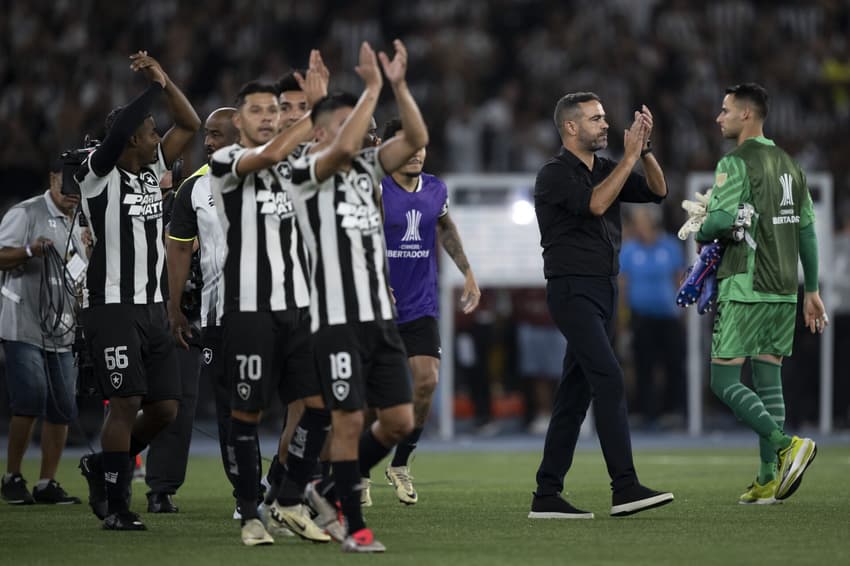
x,y
219,130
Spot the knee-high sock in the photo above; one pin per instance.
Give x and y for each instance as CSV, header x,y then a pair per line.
x,y
767,379
347,479
726,384
304,452
243,439
405,448
371,452
117,473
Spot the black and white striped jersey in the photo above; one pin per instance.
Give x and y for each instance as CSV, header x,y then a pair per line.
x,y
125,216
266,264
195,216
344,232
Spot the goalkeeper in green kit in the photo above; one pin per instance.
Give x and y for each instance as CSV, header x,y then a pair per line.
x,y
761,211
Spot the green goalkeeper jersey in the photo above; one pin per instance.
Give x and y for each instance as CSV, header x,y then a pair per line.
x,y
763,267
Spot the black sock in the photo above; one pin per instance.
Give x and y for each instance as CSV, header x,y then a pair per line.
x,y
371,452
306,445
274,476
405,448
347,480
303,451
136,446
117,473
243,438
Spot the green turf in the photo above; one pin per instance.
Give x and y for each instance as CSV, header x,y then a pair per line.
x,y
472,510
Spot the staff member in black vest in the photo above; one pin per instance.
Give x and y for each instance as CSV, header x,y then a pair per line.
x,y
577,197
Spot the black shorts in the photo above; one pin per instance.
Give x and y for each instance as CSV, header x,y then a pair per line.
x,y
266,352
362,364
212,362
133,351
421,337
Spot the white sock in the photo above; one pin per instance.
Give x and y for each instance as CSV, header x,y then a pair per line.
x,y
7,476
42,483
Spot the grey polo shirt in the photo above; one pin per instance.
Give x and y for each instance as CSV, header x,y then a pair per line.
x,y
20,288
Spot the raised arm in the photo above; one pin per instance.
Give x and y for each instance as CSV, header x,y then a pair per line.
x,y
654,174
350,138
315,86
186,120
606,192
414,134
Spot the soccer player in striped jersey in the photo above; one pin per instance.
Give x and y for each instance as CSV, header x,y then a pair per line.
x,y
267,341
416,217
195,253
124,319
359,353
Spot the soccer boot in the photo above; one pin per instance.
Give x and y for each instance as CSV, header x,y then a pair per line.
x,y
297,519
793,462
706,263
758,494
708,294
97,485
124,521
365,492
255,534
362,541
399,477
327,514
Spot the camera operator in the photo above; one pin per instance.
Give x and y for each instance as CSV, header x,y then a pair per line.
x,y
124,318
37,311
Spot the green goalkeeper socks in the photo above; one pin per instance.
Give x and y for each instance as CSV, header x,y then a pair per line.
x,y
746,405
767,378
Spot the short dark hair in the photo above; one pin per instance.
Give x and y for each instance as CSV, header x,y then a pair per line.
x,y
391,128
753,93
112,116
568,103
254,87
331,102
287,82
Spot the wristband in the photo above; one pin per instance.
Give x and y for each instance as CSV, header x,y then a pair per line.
x,y
647,148
29,250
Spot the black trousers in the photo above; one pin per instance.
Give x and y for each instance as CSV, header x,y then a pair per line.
x,y
168,453
584,310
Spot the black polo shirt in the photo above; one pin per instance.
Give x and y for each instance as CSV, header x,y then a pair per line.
x,y
574,241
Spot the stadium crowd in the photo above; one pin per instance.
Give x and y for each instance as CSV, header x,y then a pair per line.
x,y
483,72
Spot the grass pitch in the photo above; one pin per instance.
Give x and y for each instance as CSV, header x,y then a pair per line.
x,y
472,510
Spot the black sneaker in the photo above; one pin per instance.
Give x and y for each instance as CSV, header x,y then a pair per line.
x,y
97,485
636,498
161,503
124,521
53,494
554,507
14,490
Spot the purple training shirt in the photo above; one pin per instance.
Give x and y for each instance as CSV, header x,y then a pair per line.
x,y
410,226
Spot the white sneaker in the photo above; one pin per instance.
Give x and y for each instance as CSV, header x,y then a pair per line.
x,y
400,478
254,533
365,495
273,527
297,519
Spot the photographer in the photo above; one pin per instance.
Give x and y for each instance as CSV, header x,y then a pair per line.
x,y
37,329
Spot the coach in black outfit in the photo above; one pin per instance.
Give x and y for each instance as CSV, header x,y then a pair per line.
x,y
577,197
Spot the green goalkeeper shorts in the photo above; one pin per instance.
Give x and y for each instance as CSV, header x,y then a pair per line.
x,y
751,329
